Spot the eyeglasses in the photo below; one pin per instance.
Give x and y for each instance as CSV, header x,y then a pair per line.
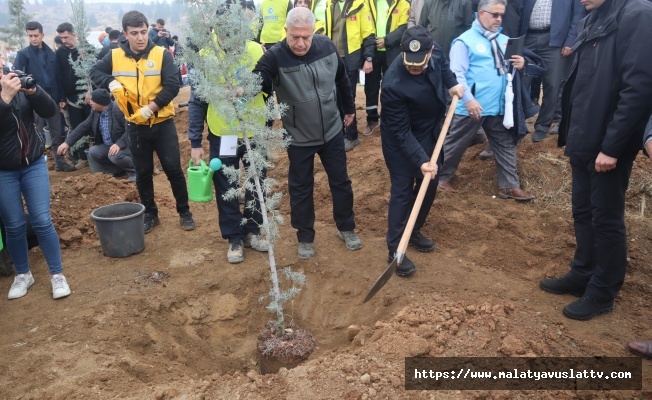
x,y
495,15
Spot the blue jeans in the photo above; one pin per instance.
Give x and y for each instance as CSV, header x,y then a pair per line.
x,y
33,182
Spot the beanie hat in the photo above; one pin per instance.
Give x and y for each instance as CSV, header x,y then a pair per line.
x,y
101,97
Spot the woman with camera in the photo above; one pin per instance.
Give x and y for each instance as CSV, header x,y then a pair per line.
x,y
23,171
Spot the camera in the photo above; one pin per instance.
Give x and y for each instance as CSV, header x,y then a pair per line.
x,y
26,80
165,32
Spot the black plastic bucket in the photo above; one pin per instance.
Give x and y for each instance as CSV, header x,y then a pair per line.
x,y
120,228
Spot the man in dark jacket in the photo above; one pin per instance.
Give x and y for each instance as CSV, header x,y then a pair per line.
x,y
160,36
106,124
144,80
313,121
414,103
72,99
550,29
446,20
39,60
605,106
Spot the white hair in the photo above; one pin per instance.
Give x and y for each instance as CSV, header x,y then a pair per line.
x,y
485,3
300,16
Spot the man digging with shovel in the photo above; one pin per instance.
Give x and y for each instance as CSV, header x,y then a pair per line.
x,y
414,104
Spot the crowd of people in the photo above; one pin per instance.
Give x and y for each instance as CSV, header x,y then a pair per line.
x,y
414,57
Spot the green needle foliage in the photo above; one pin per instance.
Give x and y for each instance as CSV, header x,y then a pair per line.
x,y
87,53
14,33
220,72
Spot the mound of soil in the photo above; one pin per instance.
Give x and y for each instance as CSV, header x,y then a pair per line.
x,y
178,321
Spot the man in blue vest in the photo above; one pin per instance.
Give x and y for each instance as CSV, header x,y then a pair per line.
x,y
477,60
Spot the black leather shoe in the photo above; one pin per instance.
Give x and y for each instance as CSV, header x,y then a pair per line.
x,y
150,222
420,242
563,285
539,136
586,308
406,268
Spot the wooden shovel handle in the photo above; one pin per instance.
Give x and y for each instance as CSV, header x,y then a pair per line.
x,y
403,244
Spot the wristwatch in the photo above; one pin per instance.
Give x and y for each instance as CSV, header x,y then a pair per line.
x,y
370,59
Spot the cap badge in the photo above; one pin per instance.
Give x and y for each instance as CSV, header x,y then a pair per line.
x,y
415,45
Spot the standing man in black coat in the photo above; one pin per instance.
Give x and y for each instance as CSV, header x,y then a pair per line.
x,y
72,98
39,60
414,100
605,106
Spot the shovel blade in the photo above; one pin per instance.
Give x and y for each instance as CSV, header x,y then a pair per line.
x,y
382,280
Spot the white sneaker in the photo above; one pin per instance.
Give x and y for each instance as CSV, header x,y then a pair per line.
x,y
20,285
60,286
256,242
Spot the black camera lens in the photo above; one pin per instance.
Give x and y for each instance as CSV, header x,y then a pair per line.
x,y
27,82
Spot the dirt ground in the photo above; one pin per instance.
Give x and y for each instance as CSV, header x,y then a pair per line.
x,y
189,332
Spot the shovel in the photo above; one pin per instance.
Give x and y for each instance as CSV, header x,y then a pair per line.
x,y
403,244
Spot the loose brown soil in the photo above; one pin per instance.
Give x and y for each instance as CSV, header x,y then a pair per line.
x,y
178,321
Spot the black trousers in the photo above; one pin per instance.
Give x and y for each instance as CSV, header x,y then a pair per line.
x,y
598,201
372,86
229,214
301,185
77,116
160,138
402,194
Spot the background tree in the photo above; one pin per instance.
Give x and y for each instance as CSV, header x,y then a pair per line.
x,y
14,33
87,53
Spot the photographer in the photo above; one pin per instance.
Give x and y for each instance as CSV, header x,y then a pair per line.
x,y
23,171
161,36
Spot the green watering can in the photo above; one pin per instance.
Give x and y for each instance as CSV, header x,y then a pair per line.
x,y
200,180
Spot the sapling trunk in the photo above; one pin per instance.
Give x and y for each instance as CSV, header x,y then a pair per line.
x,y
272,261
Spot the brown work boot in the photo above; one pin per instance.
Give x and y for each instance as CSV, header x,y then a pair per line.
x,y
517,194
445,186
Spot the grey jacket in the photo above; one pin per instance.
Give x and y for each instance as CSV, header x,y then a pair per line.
x,y
309,86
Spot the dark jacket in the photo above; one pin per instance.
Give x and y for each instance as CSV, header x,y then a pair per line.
x,y
446,20
28,61
608,97
523,106
162,41
20,145
408,128
68,78
563,21
91,126
309,86
101,73
106,49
